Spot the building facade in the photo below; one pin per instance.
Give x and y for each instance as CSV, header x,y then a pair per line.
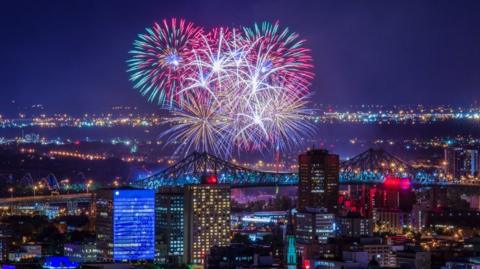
x,y
104,224
355,226
461,162
318,181
383,254
207,219
81,253
169,226
125,224
5,240
314,227
387,220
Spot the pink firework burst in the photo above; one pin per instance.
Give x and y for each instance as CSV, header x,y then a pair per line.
x,y
280,56
158,64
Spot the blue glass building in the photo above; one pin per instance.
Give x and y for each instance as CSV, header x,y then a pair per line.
x,y
133,225
125,224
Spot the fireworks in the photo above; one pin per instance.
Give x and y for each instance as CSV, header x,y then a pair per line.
x,y
280,56
228,89
200,125
157,66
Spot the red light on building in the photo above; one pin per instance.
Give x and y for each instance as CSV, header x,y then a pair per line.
x,y
212,179
392,182
405,183
306,264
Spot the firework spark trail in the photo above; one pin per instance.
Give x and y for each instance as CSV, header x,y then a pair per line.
x,y
228,89
157,66
282,55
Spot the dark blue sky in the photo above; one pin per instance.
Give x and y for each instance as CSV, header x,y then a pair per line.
x,y
70,55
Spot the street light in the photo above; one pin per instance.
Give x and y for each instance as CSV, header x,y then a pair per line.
x,y
10,190
34,190
89,183
66,184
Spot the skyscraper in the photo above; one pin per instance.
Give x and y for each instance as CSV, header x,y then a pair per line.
x,y
207,218
169,226
461,162
318,181
126,224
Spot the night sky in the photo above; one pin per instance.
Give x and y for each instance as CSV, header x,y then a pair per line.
x,y
70,55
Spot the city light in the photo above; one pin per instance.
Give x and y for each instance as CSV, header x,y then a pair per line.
x,y
248,134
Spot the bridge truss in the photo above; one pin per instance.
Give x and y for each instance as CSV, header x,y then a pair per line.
x,y
194,166
372,165
369,167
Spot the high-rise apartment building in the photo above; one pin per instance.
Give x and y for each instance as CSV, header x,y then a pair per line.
x,y
207,218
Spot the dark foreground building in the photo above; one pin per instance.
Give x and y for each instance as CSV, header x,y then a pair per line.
x,y
318,181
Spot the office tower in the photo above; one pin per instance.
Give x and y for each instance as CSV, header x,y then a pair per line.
x,y
125,224
353,225
387,198
207,218
461,162
395,194
453,161
318,181
104,224
471,162
391,220
5,240
169,226
315,227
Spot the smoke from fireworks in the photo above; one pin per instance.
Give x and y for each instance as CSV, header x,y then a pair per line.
x,y
228,89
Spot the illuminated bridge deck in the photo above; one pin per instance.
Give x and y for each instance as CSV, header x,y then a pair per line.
x,y
61,198
369,167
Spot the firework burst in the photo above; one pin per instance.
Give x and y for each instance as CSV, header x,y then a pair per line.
x,y
227,89
158,64
199,126
280,56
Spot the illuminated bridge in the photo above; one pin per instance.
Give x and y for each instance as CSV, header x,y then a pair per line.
x,y
41,202
369,167
191,169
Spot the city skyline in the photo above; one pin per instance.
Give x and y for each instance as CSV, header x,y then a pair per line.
x,y
240,135
403,52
